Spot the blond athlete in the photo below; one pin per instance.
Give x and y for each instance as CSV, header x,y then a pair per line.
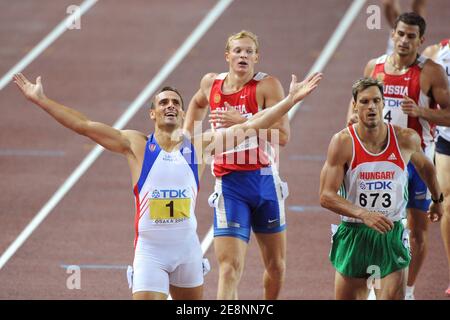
x,y
250,192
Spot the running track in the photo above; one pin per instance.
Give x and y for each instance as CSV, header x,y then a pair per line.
x,y
100,69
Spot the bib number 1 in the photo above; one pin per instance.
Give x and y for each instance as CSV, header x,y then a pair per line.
x,y
172,208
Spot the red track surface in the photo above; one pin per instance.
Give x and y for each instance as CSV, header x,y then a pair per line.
x,y
101,68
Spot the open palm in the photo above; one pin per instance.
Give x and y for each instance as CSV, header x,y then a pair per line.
x,y
30,90
299,90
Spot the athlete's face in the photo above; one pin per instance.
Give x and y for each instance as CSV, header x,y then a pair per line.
x,y
406,39
242,55
369,106
168,110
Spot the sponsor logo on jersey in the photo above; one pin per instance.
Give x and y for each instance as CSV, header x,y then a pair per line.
x,y
397,90
392,157
375,185
170,193
381,175
380,77
392,102
217,98
152,147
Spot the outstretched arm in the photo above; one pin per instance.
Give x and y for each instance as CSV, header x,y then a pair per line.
x,y
267,118
110,138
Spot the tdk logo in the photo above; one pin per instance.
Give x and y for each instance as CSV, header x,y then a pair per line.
x,y
376,185
392,103
169,193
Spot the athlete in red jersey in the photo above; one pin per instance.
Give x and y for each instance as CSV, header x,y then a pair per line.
x,y
237,212
412,87
368,243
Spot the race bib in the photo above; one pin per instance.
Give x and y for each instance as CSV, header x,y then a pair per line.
x,y
377,196
392,112
171,208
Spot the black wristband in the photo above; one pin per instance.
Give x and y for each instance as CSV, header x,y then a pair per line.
x,y
441,198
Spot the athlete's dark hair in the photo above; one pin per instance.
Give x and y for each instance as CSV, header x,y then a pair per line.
x,y
364,83
167,88
412,19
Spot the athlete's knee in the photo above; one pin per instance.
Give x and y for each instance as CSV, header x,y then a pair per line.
x,y
276,269
418,238
231,268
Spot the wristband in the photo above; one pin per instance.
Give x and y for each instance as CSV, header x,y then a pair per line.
x,y
441,198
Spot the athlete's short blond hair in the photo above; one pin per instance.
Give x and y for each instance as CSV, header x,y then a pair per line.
x,y
241,35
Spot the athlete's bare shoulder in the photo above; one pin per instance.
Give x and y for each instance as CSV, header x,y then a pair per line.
x,y
269,81
340,149
208,79
407,138
431,51
207,82
432,68
343,137
370,66
270,90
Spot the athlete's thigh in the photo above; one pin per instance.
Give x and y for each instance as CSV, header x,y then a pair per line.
x,y
188,274
180,293
149,295
232,210
347,288
418,195
392,286
272,246
443,173
149,275
269,216
417,221
230,249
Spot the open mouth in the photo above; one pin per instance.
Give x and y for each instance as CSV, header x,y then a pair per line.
x,y
170,114
371,115
243,63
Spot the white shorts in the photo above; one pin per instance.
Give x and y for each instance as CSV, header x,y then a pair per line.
x,y
156,265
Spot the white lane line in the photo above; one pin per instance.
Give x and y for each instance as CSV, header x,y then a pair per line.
x,y
320,63
31,153
333,43
46,42
171,64
96,266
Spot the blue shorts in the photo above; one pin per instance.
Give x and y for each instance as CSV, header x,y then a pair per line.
x,y
248,200
418,195
443,146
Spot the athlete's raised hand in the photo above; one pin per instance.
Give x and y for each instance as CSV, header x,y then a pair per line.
x,y
31,91
299,90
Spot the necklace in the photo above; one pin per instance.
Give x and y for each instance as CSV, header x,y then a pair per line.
x,y
396,67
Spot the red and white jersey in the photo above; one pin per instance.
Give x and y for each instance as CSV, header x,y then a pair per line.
x,y
408,84
443,58
250,154
376,182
